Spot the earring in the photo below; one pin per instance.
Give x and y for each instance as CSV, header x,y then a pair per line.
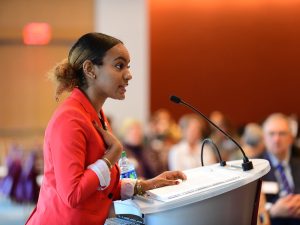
x,y
94,76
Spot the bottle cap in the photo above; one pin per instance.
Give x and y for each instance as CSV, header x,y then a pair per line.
x,y
123,154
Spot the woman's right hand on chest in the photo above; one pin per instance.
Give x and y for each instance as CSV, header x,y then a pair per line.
x,y
114,146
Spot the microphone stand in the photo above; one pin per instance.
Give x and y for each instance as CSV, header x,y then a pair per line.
x,y
246,165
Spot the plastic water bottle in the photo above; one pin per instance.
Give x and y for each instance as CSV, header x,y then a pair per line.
x,y
127,168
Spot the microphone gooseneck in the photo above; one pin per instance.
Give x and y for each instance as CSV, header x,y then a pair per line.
x,y
246,165
209,141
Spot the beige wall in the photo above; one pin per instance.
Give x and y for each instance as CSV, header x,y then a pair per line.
x,y
132,29
26,96
68,18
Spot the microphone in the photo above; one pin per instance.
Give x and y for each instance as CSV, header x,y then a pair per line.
x,y
246,165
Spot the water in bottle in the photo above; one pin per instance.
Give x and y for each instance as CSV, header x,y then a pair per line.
x,y
127,168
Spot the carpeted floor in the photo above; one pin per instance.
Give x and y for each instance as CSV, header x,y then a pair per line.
x,y
12,213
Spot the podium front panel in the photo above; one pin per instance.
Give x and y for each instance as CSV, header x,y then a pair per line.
x,y
230,208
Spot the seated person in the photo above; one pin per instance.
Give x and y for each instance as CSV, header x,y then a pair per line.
x,y
187,153
284,206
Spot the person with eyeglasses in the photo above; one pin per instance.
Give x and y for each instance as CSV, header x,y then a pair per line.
x,y
283,198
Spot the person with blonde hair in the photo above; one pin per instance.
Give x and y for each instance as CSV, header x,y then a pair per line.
x,y
187,153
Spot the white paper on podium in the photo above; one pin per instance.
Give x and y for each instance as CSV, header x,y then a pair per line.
x,y
198,180
121,207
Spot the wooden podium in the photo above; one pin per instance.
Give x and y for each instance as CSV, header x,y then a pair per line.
x,y
210,195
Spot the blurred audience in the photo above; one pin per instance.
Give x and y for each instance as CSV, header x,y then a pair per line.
x,y
20,183
295,132
252,142
186,154
162,133
225,145
253,146
284,198
293,118
14,168
132,136
27,189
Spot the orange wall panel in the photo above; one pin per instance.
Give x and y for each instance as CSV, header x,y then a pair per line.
x,y
239,57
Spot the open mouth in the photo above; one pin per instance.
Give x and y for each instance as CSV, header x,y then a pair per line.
x,y
122,88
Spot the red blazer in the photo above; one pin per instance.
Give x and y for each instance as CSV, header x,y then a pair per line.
x,y
69,194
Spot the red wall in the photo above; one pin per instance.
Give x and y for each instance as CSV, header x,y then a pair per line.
x,y
241,57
